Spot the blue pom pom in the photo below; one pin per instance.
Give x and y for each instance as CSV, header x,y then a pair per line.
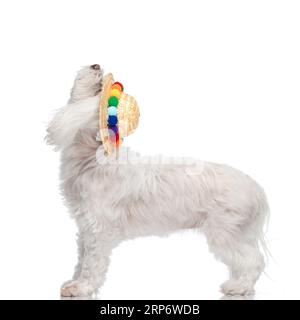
x,y
112,120
112,111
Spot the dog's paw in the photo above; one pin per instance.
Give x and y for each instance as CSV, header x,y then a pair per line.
x,y
76,288
237,287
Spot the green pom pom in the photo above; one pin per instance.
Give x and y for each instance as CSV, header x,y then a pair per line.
x,y
113,101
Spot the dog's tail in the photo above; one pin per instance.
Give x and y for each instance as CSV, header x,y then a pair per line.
x,y
263,222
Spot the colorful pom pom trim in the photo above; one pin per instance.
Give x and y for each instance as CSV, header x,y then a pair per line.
x,y
112,111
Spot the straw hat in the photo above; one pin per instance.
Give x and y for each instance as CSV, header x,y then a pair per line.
x,y
118,114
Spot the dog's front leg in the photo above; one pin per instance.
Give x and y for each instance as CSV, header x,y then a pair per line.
x,y
80,250
80,255
90,276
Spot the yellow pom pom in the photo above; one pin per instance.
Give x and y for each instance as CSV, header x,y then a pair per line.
x,y
115,93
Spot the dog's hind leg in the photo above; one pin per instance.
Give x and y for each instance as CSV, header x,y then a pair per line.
x,y
246,264
240,252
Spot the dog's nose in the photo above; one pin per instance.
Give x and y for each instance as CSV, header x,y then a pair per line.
x,y
95,67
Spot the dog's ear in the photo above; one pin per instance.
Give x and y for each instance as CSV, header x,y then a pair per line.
x,y
67,121
52,136
59,127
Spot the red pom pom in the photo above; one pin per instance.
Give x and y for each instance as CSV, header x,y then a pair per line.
x,y
114,138
119,84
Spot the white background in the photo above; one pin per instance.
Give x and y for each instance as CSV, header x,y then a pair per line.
x,y
217,80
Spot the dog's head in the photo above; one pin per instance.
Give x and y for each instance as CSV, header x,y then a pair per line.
x,y
87,83
81,112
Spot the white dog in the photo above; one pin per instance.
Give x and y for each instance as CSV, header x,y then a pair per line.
x,y
112,202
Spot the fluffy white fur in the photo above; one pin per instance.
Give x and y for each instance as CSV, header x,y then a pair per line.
x,y
117,201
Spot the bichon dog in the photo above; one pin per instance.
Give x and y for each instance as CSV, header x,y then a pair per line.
x,y
112,202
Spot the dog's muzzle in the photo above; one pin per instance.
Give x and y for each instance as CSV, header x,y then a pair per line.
x,y
95,66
